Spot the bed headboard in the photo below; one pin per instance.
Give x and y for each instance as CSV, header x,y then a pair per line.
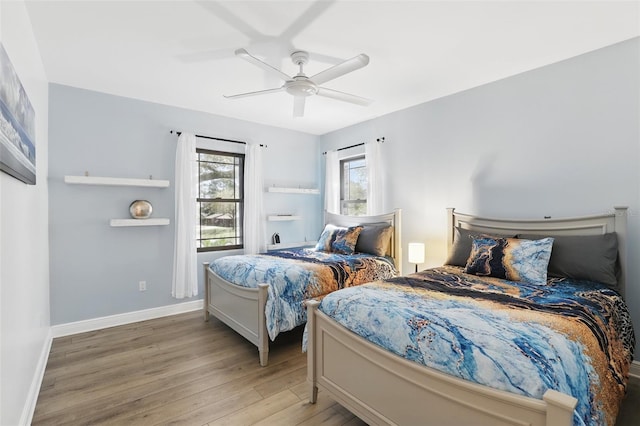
x,y
586,225
393,218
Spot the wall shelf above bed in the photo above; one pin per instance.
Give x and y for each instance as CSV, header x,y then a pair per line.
x,y
111,181
293,190
139,222
282,217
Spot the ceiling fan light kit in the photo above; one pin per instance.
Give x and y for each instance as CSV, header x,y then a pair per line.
x,y
300,86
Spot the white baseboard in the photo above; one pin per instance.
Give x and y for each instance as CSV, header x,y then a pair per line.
x,y
67,329
635,369
34,390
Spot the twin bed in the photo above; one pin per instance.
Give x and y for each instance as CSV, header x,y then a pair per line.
x,y
535,342
262,295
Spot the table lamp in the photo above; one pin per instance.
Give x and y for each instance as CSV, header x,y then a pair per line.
x,y
416,253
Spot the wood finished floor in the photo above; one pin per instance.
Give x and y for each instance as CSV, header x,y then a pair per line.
x,y
182,370
179,370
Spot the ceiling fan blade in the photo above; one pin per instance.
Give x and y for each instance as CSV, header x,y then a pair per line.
x,y
298,106
341,69
341,96
265,66
205,55
325,59
229,18
259,92
306,19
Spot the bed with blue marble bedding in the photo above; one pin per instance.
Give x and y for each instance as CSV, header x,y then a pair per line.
x,y
485,343
296,275
262,295
575,337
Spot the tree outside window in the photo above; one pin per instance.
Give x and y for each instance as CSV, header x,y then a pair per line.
x,y
220,200
353,186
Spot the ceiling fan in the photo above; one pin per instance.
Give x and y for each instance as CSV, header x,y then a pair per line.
x,y
301,86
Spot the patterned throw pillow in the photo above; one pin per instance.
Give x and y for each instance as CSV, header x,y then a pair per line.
x,y
462,240
335,239
511,258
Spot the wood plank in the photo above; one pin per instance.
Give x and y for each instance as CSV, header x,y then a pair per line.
x,y
93,398
258,411
184,404
327,417
297,412
140,366
126,372
102,358
216,409
283,381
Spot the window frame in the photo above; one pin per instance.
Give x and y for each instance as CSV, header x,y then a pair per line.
x,y
240,201
345,202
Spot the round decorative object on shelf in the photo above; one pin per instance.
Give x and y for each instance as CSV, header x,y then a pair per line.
x,y
140,209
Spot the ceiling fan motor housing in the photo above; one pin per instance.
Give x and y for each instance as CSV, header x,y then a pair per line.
x,y
301,86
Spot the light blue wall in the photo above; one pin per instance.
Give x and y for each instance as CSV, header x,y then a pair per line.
x,y
562,140
95,269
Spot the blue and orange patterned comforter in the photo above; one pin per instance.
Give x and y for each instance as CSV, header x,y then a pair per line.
x,y
573,337
297,275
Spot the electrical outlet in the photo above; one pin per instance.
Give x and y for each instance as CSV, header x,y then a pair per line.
x,y
142,286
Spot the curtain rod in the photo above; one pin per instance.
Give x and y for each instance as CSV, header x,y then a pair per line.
x,y
353,146
216,139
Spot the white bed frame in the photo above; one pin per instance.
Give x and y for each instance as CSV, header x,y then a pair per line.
x,y
243,308
383,388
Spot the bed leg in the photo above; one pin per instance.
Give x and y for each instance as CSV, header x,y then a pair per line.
x,y
263,334
313,393
312,307
206,291
264,357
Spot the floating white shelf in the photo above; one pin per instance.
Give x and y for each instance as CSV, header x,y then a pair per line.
x,y
283,217
291,245
111,181
139,222
293,190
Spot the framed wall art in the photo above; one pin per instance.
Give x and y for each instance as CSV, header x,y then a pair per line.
x,y
17,125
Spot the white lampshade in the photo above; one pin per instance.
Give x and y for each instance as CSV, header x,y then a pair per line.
x,y
416,253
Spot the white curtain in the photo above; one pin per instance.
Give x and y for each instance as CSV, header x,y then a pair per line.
x,y
375,189
254,230
185,263
332,182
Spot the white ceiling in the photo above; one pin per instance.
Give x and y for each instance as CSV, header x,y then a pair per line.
x,y
181,52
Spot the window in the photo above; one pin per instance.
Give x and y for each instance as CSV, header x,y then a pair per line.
x,y
353,186
220,200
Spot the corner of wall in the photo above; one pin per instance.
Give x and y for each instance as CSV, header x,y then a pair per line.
x,y
36,383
